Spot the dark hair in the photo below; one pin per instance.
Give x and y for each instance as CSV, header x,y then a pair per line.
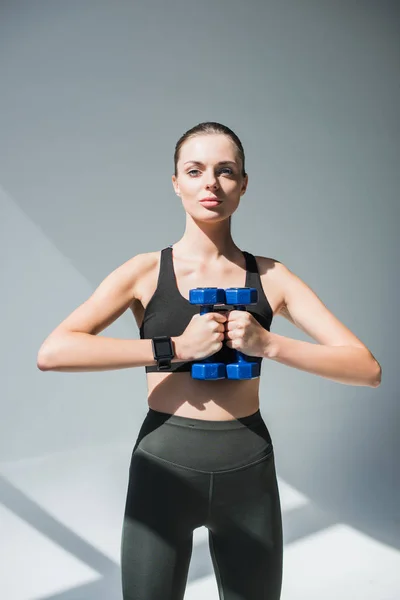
x,y
209,127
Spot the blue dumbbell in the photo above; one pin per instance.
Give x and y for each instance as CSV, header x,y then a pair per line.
x,y
244,368
206,298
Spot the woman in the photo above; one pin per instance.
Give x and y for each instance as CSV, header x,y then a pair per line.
x,y
204,456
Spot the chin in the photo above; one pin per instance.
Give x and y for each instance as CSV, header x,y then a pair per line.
x,y
210,218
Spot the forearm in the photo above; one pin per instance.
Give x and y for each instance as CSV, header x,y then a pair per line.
x,y
76,351
345,364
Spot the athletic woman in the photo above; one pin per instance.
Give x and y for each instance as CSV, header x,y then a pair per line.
x,y
204,455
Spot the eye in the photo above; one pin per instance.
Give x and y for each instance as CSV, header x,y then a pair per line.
x,y
193,172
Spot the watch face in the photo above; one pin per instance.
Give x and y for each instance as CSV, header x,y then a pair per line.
x,y
163,349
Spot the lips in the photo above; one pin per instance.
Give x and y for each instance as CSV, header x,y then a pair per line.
x,y
210,203
211,199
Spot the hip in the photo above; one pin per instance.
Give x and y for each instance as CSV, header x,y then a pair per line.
x,y
204,445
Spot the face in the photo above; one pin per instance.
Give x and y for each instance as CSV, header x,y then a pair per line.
x,y
209,167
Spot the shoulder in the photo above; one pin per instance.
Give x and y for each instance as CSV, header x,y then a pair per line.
x,y
135,266
272,269
268,265
288,281
128,273
145,260
140,267
271,276
275,278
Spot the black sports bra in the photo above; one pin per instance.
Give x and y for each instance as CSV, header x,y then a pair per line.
x,y
169,313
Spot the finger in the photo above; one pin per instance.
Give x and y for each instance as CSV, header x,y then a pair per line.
x,y
219,317
235,314
211,316
231,335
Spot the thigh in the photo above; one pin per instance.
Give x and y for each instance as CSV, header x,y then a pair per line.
x,y
162,509
245,532
151,567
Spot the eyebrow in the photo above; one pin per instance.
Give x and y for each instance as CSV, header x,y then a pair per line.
x,y
221,162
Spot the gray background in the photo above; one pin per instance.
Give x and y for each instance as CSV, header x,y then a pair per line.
x,y
94,96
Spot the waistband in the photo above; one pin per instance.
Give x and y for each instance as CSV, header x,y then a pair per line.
x,y
171,419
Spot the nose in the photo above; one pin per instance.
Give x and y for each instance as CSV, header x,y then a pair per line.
x,y
212,181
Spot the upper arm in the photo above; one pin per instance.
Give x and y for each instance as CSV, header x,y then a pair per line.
x,y
303,308
109,301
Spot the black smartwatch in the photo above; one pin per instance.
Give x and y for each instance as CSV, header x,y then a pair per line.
x,y
163,352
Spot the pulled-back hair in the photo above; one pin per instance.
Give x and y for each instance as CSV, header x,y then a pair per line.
x,y
209,127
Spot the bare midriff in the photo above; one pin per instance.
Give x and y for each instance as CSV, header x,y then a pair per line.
x,y
220,400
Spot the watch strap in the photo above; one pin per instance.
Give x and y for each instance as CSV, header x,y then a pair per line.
x,y
163,359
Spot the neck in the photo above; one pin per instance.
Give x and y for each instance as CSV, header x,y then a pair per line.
x,y
207,241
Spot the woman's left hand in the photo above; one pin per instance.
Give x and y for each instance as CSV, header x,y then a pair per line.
x,y
244,333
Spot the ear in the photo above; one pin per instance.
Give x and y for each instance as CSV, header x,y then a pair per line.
x,y
244,185
176,185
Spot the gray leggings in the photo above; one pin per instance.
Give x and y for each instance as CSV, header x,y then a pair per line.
x,y
186,473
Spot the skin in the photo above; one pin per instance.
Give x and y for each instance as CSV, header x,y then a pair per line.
x,y
206,255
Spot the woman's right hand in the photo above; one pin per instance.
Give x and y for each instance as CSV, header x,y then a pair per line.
x,y
203,337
